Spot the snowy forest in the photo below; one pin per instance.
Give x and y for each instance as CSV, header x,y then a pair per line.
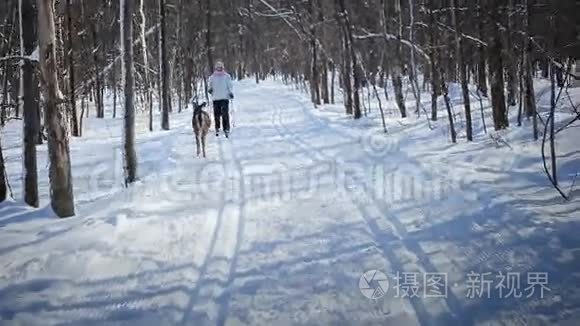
x,y
170,49
476,97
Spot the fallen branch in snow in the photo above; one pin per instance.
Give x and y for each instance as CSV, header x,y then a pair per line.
x,y
498,139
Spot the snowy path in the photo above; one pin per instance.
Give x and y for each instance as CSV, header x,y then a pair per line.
x,y
275,227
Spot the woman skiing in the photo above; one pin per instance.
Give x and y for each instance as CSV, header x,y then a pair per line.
x,y
221,90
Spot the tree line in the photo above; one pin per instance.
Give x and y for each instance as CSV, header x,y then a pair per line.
x,y
60,59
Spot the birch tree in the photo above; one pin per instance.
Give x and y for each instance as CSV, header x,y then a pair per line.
x,y
61,185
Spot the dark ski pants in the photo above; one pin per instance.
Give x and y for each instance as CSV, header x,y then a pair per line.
x,y
221,114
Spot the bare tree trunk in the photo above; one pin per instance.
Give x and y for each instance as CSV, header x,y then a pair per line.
x,y
127,10
552,176
15,91
553,72
376,92
521,90
164,68
60,52
188,75
6,65
114,89
179,96
4,104
398,60
332,81
449,110
170,74
324,84
178,59
146,78
351,55
38,118
256,62
530,97
314,78
83,100
346,69
384,74
208,43
481,73
71,71
480,97
3,181
98,82
511,65
324,57
433,56
462,72
413,74
61,186
496,68
29,96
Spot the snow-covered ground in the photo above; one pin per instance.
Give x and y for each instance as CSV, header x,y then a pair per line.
x,y
279,223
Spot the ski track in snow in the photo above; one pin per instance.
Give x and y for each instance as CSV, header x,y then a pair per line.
x,y
279,222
